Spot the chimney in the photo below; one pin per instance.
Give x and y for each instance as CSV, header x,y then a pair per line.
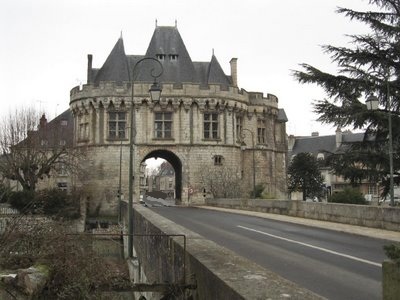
x,y
338,137
42,122
233,63
89,69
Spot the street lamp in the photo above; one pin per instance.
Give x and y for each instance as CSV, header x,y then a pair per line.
x,y
119,184
155,93
372,104
243,147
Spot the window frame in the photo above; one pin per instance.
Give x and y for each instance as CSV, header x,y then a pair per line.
x,y
218,160
239,127
83,134
120,125
261,132
212,132
160,125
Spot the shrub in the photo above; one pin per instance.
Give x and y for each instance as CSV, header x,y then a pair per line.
x,y
52,202
22,200
348,196
59,204
392,251
4,193
259,188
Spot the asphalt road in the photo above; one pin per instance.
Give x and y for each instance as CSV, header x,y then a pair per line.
x,y
332,264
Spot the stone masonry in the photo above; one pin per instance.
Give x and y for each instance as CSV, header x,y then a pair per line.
x,y
187,141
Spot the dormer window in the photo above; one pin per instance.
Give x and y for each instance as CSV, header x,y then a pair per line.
x,y
160,56
173,57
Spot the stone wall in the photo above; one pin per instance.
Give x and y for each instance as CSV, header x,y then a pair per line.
x,y
391,280
361,215
100,184
235,109
218,272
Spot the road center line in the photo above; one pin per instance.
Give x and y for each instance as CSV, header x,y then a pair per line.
x,y
311,246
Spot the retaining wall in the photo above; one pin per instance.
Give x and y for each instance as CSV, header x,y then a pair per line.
x,y
360,215
218,272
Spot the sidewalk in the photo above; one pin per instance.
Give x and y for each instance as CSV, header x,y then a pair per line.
x,y
359,230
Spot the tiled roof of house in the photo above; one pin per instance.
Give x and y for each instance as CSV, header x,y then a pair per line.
x,y
315,144
324,144
56,133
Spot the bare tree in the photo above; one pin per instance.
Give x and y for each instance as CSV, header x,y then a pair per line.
x,y
221,181
31,148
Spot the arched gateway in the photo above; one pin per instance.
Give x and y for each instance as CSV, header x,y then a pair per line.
x,y
175,163
221,140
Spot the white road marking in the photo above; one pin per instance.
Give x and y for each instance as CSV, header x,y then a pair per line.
x,y
314,247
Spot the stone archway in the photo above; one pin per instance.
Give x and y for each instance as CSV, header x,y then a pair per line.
x,y
175,163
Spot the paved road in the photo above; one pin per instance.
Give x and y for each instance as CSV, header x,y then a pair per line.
x,y
333,264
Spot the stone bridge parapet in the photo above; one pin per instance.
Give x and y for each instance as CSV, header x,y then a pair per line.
x,y
219,272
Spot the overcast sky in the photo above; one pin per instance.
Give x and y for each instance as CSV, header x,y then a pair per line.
x,y
44,44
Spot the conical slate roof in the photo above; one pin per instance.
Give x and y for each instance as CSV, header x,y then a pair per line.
x,y
115,67
168,44
168,48
215,73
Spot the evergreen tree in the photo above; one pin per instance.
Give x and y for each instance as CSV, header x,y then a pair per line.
x,y
371,66
304,176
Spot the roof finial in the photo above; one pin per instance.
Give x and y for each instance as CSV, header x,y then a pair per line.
x,y
121,35
156,23
176,23
212,51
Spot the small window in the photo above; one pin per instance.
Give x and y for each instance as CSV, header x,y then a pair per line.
x,y
261,131
63,143
173,57
83,127
218,159
64,122
44,142
320,156
63,186
61,169
160,56
239,127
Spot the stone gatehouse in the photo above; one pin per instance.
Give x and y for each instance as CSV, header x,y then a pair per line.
x,y
202,122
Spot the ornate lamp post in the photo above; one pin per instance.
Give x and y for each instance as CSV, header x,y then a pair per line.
x,y
372,104
155,93
243,147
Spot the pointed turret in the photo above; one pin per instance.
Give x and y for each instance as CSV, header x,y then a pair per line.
x,y
215,74
115,67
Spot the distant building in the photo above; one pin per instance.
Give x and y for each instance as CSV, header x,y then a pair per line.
x,y
166,179
323,146
50,137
